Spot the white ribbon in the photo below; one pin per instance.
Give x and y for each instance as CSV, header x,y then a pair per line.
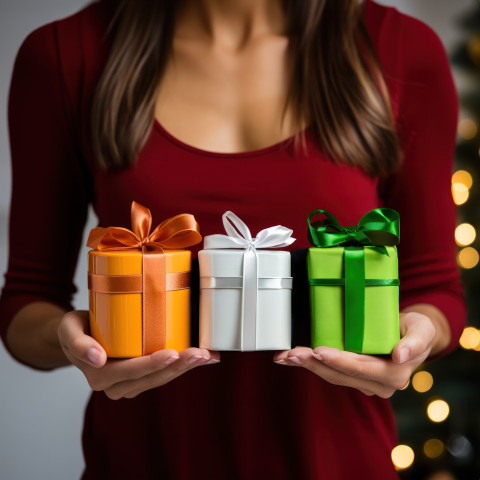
x,y
239,236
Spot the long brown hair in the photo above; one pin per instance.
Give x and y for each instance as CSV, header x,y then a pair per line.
x,y
336,83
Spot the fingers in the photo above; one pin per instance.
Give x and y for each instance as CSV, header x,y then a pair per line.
x,y
77,345
124,377
187,360
418,335
130,369
370,374
337,369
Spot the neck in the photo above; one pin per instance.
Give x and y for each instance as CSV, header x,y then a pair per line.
x,y
231,23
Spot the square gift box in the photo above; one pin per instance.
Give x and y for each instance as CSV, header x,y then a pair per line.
x,y
354,288
139,285
245,291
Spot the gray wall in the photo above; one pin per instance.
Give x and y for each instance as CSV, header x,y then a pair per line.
x,y
41,413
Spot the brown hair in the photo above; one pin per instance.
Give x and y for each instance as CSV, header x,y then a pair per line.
x,y
336,83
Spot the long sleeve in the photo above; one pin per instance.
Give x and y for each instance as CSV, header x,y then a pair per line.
x,y
50,189
420,191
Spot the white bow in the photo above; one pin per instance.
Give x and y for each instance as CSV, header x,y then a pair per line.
x,y
239,236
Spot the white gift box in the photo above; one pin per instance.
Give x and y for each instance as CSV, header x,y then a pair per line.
x,y
245,292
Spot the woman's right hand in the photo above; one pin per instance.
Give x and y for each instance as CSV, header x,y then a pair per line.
x,y
124,378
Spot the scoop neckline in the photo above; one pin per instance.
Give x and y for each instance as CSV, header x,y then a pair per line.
x,y
210,153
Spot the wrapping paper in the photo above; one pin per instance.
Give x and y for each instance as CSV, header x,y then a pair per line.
x,y
245,291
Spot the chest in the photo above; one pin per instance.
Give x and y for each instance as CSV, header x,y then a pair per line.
x,y
226,101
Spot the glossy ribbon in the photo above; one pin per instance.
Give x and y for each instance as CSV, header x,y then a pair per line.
x,y
378,228
239,236
177,232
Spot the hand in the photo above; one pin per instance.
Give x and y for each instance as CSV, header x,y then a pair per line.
x,y
124,378
370,374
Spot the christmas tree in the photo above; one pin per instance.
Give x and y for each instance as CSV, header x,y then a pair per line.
x,y
438,412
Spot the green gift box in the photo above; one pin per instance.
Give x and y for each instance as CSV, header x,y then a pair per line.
x,y
353,276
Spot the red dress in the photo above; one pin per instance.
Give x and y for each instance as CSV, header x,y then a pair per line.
x,y
247,417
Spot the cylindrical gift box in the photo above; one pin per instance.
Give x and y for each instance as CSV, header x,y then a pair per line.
x,y
117,320
222,322
380,331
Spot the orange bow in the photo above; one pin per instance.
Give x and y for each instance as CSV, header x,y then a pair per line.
x,y
177,232
180,231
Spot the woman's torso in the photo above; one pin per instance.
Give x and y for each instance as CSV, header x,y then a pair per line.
x,y
246,417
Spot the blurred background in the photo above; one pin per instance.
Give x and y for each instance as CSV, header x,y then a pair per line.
x,y
438,413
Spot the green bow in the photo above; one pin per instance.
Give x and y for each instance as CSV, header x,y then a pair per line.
x,y
378,228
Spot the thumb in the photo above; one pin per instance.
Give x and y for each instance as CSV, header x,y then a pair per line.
x,y
417,340
76,344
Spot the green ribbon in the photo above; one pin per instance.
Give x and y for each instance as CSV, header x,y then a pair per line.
x,y
378,228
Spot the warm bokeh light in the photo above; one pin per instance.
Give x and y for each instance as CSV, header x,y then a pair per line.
x,y
467,129
463,177
468,258
406,385
438,410
460,193
465,234
470,338
402,456
433,448
422,381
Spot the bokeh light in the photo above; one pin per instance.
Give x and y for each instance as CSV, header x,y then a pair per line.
x,y
470,338
467,128
468,258
465,234
438,410
402,456
406,385
460,193
460,447
422,381
433,448
463,177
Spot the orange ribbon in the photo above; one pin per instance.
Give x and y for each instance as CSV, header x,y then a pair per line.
x,y
177,232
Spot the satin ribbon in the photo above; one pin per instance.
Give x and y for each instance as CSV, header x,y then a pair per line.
x,y
378,228
177,232
239,236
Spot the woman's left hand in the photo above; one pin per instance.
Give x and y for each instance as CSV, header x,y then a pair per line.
x,y
370,374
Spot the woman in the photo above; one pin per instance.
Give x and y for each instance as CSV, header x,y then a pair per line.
x,y
267,108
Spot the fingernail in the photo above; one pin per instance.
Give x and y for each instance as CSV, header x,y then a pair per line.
x,y
281,362
318,357
170,360
212,361
195,359
404,355
93,355
295,360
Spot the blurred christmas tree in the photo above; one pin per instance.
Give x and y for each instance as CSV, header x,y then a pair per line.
x,y
438,413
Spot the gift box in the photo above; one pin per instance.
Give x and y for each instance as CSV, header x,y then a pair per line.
x,y
245,291
353,277
139,284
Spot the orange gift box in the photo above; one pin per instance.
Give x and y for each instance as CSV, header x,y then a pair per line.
x,y
139,284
